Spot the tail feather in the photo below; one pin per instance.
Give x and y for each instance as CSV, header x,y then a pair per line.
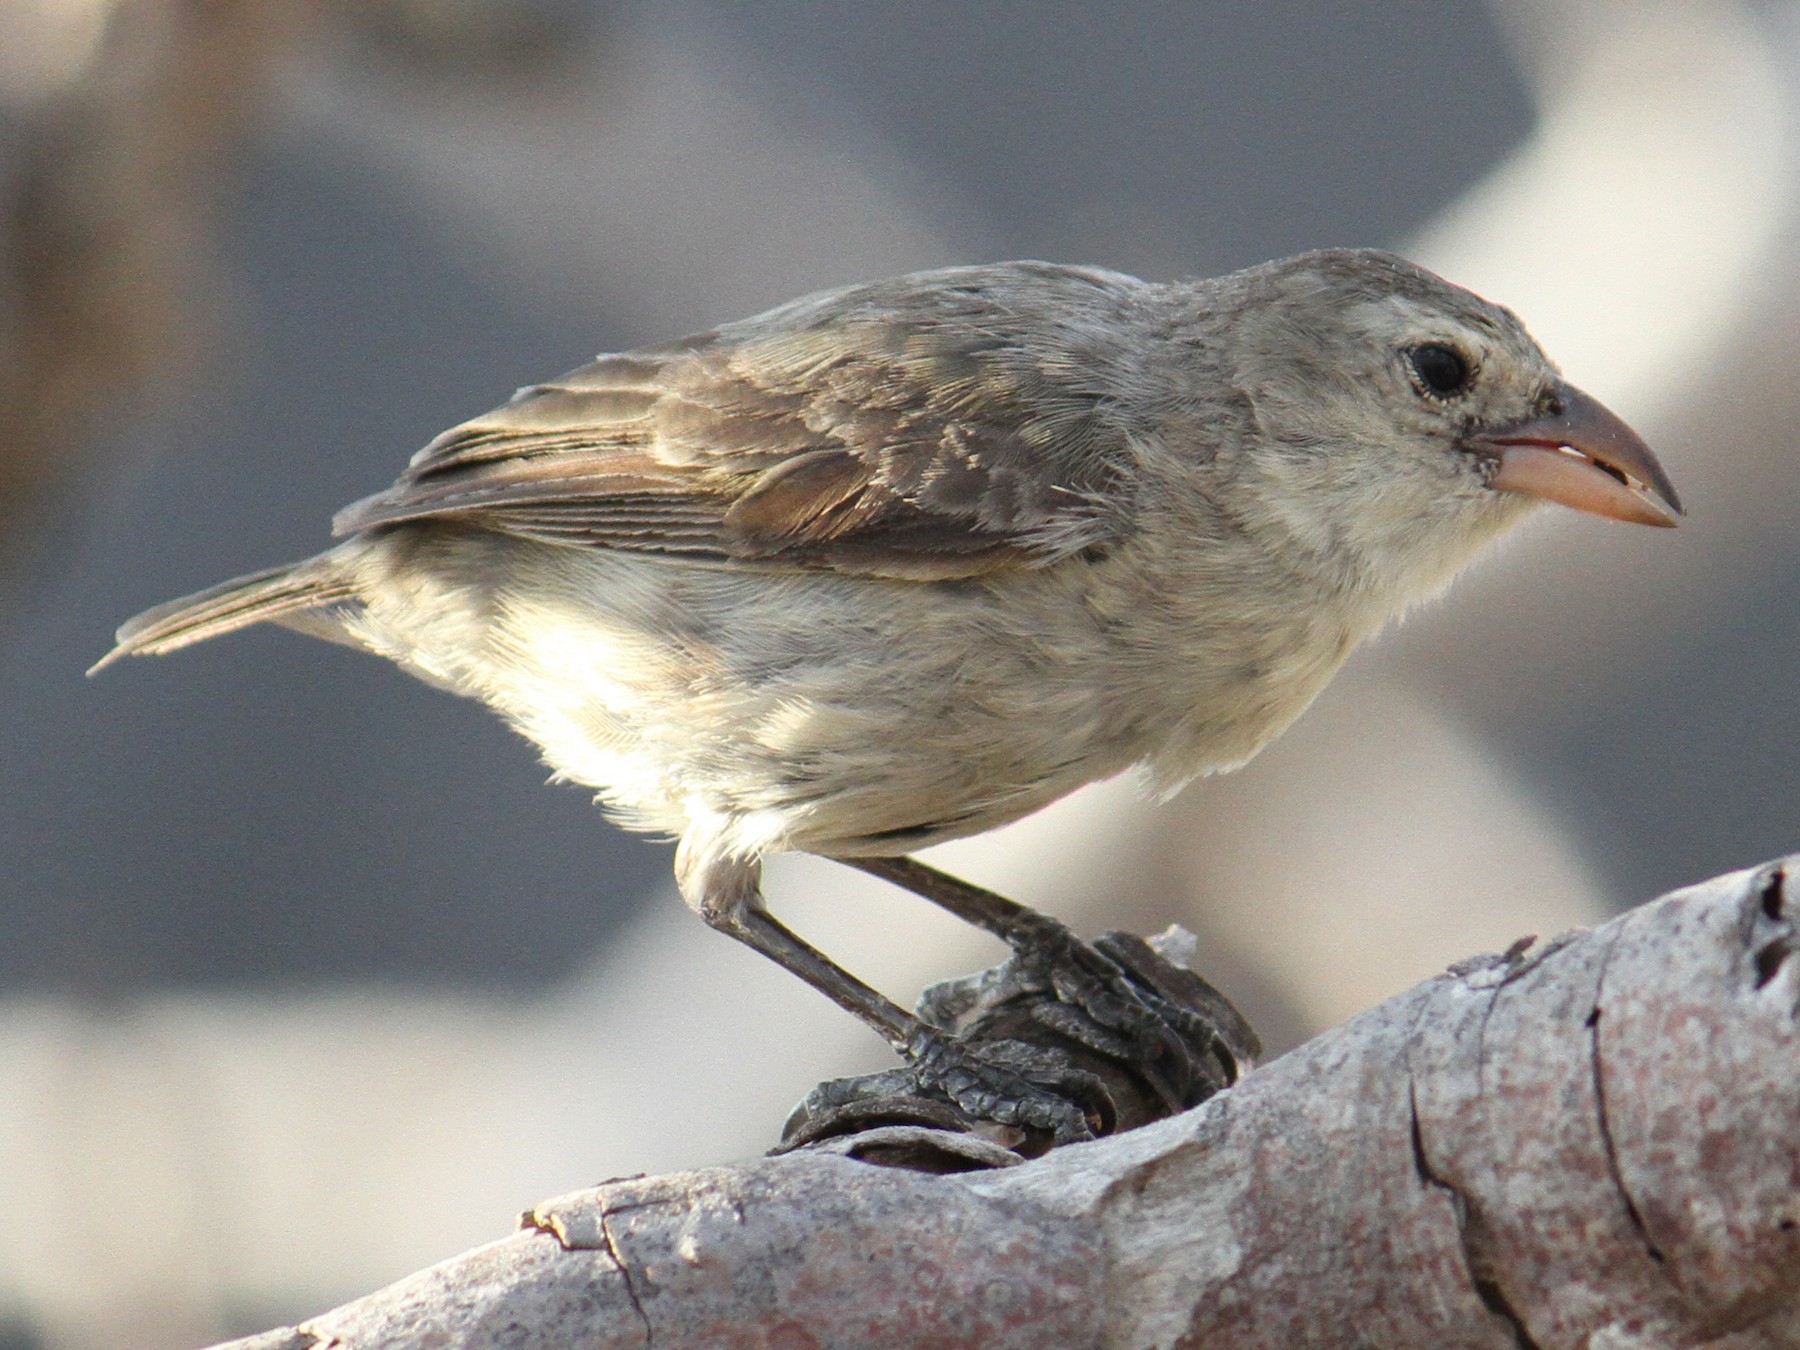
x,y
233,604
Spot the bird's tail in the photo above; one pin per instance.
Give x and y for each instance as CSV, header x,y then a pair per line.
x,y
278,593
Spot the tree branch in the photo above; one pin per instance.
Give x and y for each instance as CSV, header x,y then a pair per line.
x,y
1592,1143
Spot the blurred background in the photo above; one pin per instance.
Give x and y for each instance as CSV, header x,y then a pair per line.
x,y
307,980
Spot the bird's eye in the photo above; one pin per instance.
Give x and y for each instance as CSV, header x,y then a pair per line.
x,y
1442,371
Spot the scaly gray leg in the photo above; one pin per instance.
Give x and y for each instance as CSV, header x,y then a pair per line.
x,y
1101,1006
729,897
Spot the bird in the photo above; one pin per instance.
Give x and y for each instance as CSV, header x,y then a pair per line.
x,y
904,561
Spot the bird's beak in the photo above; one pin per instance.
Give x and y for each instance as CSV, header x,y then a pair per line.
x,y
1582,456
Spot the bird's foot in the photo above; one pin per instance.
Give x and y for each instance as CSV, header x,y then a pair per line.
x,y
1121,999
1002,1062
1011,1083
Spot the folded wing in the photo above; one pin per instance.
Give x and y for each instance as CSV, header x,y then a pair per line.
x,y
943,425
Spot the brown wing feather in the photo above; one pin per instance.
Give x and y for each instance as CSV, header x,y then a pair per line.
x,y
941,425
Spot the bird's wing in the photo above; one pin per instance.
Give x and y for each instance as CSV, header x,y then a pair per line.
x,y
944,425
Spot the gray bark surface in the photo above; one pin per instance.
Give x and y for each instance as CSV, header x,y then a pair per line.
x,y
1595,1143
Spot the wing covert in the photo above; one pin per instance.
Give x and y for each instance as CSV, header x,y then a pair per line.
x,y
942,425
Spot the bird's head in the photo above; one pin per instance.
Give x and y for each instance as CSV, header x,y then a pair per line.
x,y
1400,421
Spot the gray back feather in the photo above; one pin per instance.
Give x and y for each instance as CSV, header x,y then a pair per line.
x,y
943,424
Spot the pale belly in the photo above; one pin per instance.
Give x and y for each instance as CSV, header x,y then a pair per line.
x,y
806,711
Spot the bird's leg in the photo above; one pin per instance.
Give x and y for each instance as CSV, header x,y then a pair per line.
x,y
750,922
1108,1011
729,897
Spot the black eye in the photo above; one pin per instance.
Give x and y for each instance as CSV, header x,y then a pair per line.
x,y
1442,370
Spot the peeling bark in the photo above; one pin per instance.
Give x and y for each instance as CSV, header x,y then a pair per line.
x,y
1595,1143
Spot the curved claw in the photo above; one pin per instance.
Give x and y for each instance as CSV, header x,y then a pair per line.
x,y
984,1087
